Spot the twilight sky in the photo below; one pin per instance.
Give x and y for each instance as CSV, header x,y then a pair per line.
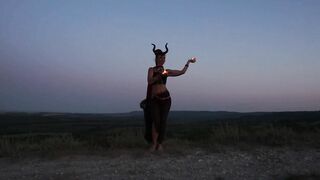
x,y
93,56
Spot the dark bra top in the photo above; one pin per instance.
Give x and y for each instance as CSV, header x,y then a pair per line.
x,y
163,78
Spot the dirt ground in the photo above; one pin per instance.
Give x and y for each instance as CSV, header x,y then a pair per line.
x,y
262,163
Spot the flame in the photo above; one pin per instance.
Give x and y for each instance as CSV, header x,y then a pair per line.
x,y
165,72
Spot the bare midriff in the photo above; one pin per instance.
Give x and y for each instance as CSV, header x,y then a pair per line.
x,y
158,89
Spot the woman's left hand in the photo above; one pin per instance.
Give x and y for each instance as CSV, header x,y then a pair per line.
x,y
192,60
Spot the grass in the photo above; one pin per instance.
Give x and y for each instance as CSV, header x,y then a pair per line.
x,y
19,145
179,138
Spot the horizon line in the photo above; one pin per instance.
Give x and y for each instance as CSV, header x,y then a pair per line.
x,y
128,112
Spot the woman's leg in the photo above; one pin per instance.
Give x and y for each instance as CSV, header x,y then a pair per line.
x,y
148,125
155,135
155,115
164,112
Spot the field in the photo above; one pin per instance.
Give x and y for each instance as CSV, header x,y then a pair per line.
x,y
191,136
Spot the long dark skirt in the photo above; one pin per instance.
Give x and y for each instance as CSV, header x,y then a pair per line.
x,y
147,120
157,114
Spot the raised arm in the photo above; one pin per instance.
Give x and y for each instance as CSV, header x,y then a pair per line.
x,y
179,72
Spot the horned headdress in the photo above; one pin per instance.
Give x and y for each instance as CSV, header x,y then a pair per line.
x,y
158,52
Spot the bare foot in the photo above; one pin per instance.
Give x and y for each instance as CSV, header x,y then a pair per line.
x,y
153,148
160,148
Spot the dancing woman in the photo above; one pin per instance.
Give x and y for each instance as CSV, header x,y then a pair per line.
x,y
158,102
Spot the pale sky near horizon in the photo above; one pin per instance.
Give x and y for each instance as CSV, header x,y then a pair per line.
x,y
93,55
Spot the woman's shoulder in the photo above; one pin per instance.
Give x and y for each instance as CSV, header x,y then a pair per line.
x,y
152,68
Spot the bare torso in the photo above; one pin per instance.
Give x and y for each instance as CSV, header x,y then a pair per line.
x,y
158,89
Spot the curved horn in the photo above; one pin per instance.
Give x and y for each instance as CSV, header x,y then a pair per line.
x,y
154,48
166,49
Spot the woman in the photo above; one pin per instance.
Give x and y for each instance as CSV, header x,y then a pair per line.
x,y
158,98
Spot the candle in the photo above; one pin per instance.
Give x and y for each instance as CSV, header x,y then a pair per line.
x,y
165,72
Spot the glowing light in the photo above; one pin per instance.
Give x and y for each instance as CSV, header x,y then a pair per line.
x,y
165,72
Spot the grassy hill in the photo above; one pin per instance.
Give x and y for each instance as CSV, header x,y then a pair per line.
x,y
13,122
54,132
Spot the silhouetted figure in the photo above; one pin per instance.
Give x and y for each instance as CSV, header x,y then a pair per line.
x,y
158,102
